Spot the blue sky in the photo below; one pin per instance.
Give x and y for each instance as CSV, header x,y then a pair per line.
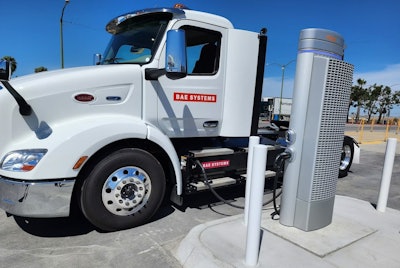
x,y
371,29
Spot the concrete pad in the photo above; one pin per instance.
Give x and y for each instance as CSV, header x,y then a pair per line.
x,y
339,234
198,248
358,236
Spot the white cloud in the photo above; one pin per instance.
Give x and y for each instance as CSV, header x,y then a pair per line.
x,y
390,76
272,87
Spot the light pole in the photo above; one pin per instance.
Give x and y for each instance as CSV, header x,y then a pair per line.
x,y
283,67
61,34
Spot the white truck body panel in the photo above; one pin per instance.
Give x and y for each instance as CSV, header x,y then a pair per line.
x,y
184,105
240,77
81,131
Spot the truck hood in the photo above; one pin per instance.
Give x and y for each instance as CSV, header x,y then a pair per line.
x,y
73,79
63,96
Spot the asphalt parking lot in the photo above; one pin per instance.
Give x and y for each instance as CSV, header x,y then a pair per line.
x,y
363,181
72,242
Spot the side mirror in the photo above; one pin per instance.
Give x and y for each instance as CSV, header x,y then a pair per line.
x,y
175,60
5,70
97,59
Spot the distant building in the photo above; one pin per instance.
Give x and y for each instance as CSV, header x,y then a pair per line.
x,y
274,109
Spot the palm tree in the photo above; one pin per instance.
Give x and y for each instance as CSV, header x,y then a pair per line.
x,y
12,61
40,69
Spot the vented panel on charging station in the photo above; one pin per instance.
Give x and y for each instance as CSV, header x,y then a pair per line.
x,y
320,102
331,129
323,139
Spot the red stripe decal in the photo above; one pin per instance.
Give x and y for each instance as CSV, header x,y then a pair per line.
x,y
216,164
194,97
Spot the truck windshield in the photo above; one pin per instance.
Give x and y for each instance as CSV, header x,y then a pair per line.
x,y
136,39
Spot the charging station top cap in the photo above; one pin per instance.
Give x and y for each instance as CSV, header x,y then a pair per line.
x,y
321,40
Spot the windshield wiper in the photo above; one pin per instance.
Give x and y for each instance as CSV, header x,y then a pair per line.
x,y
113,60
24,107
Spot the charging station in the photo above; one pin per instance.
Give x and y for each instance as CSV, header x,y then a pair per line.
x,y
321,96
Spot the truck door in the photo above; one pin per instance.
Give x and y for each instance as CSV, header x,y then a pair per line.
x,y
192,106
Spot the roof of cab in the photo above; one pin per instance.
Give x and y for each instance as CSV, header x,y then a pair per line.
x,y
178,13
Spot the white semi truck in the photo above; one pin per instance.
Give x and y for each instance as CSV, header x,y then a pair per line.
x,y
176,95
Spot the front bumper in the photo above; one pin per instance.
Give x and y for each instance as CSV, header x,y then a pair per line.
x,y
41,199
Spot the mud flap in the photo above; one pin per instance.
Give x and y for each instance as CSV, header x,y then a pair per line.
x,y
357,153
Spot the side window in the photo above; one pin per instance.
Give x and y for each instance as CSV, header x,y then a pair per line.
x,y
203,50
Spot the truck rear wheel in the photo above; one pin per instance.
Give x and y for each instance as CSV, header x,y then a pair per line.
x,y
346,157
124,190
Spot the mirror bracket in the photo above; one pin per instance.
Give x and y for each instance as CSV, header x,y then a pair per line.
x,y
5,70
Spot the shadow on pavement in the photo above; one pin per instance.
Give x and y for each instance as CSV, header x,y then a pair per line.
x,y
78,225
70,226
55,227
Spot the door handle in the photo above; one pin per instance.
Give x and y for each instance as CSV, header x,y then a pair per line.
x,y
210,124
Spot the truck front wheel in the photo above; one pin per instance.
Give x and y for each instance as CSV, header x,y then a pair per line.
x,y
124,190
346,156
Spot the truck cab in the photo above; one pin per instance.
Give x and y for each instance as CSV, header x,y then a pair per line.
x,y
114,135
201,103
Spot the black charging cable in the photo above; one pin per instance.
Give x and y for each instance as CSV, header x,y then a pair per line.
x,y
278,168
220,198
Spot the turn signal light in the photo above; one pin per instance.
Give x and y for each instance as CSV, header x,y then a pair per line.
x,y
80,162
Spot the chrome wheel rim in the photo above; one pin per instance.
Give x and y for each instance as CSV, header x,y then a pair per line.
x,y
126,191
346,156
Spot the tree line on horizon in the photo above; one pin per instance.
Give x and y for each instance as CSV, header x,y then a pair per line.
x,y
372,99
13,63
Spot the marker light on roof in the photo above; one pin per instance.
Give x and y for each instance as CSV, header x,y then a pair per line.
x,y
180,6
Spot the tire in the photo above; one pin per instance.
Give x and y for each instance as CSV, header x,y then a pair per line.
x,y
124,190
346,158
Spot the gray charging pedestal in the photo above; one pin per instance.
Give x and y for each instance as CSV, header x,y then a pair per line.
x,y
320,101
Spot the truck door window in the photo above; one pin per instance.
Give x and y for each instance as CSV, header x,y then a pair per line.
x,y
203,50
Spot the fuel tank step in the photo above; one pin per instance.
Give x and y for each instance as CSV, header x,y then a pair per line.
x,y
268,174
215,183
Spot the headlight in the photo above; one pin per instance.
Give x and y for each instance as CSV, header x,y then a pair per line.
x,y
22,160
